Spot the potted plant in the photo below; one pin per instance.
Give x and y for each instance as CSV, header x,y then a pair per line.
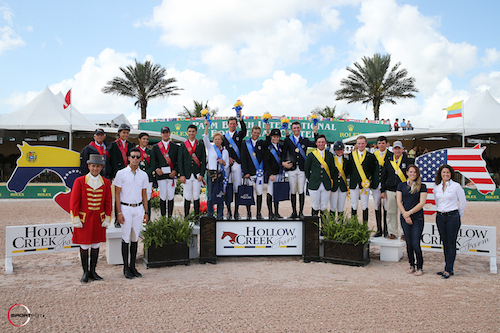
x,y
345,240
166,241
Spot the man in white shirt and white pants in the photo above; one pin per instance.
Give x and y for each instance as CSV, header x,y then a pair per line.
x,y
131,185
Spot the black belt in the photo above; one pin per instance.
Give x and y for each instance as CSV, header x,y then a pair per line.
x,y
448,213
131,205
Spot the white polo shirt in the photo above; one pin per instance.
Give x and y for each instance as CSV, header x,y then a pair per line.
x,y
131,184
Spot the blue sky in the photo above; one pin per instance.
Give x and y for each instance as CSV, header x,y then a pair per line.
x,y
285,57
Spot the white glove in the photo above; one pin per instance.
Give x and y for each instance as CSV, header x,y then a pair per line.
x,y
107,222
77,223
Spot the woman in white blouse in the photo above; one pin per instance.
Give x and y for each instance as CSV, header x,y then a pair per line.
x,y
450,203
217,161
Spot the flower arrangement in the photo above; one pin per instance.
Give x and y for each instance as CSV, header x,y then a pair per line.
x,y
284,123
238,106
205,113
266,117
315,119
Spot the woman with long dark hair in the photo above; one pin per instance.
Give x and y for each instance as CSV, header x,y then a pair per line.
x,y
411,196
450,203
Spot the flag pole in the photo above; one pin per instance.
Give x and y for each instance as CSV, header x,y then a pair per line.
x,y
463,124
70,125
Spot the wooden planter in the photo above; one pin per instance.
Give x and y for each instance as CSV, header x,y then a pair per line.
x,y
169,254
346,253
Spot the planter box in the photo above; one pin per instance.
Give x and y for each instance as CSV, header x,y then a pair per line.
x,y
169,254
346,253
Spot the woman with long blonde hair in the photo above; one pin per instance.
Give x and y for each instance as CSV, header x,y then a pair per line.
x,y
411,196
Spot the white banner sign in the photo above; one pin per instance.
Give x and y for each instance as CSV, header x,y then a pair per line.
x,y
39,238
248,238
472,239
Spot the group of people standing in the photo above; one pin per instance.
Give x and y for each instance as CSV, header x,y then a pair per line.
x,y
230,161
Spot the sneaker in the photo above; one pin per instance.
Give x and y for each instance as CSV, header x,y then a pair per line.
x,y
411,270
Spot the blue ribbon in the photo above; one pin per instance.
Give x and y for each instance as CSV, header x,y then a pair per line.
x,y
297,144
238,109
233,144
259,167
315,121
284,126
219,156
276,157
208,118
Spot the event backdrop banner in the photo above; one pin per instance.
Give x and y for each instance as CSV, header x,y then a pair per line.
x,y
248,238
44,191
333,129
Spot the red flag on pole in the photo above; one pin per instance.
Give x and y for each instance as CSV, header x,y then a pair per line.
x,y
67,100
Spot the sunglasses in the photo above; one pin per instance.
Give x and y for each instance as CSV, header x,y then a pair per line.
x,y
135,156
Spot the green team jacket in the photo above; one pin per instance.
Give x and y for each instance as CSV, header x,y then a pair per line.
x,y
316,175
377,176
186,164
338,182
369,166
148,168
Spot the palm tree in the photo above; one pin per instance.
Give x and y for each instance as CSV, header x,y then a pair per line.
x,y
372,83
329,112
144,81
196,111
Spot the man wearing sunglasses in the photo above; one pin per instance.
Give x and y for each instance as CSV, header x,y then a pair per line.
x,y
131,185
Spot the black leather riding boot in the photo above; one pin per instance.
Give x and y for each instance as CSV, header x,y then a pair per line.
x,y
133,256
94,254
84,257
126,269
163,207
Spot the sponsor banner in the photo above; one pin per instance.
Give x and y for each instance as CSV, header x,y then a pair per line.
x,y
475,195
45,191
39,238
334,130
249,238
472,239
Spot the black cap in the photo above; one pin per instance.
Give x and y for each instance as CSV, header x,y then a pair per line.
x,y
165,129
338,145
99,131
123,127
276,132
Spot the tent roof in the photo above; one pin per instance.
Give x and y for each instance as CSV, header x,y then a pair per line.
x,y
46,112
481,114
113,119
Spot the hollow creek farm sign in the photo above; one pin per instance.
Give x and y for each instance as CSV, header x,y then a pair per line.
x,y
333,129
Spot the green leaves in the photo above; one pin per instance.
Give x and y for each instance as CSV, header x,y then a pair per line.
x,y
166,230
344,229
372,82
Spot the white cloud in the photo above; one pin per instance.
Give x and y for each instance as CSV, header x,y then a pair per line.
x,y
412,39
9,39
488,81
248,39
491,56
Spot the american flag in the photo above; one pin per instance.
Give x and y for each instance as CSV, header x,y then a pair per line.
x,y
467,161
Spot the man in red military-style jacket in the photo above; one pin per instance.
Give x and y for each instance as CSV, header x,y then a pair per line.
x,y
91,205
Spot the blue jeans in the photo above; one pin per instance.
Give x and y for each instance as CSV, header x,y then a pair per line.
x,y
448,227
210,206
413,234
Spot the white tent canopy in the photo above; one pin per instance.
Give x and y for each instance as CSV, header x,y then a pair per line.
x,y
46,112
481,114
110,119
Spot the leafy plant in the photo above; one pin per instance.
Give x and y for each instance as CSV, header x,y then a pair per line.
x,y
344,229
162,230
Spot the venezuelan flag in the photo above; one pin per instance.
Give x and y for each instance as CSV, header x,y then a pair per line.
x,y
454,111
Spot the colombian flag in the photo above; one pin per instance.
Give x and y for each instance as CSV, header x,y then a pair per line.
x,y
454,111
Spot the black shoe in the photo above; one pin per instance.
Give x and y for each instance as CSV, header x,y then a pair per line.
x,y
378,234
229,216
442,272
277,216
301,215
259,216
249,215
135,273
117,224
128,274
236,216
85,277
293,216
